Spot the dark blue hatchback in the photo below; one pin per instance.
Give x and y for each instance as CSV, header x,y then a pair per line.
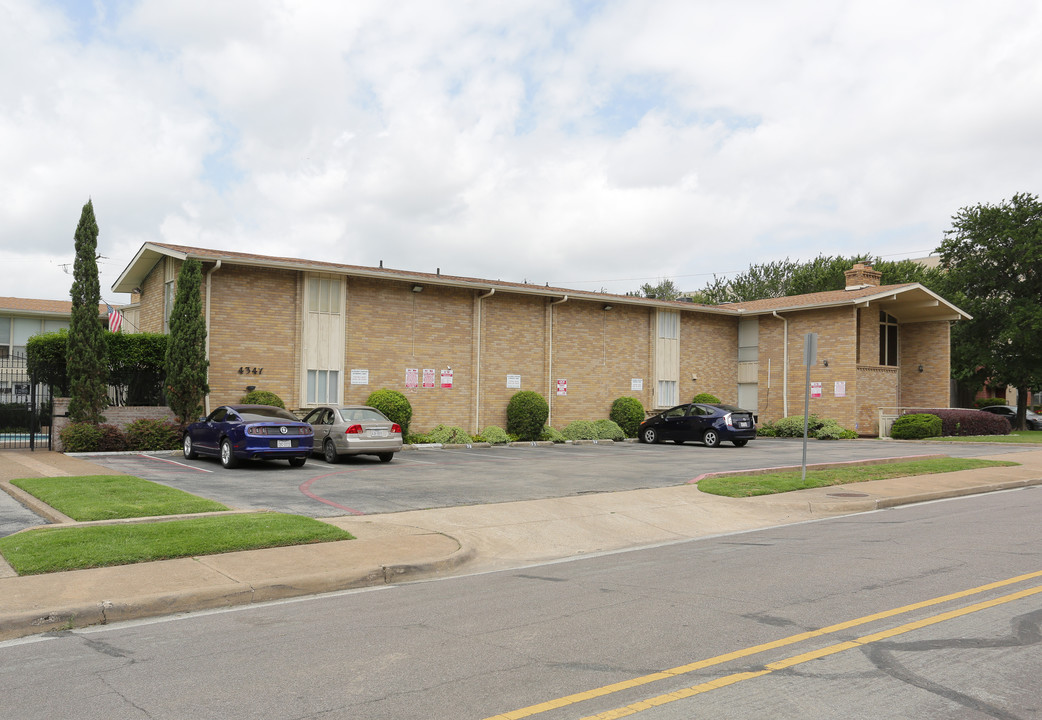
x,y
702,422
249,432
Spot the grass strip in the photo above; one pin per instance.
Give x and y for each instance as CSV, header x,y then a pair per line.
x,y
1015,438
75,548
739,486
113,497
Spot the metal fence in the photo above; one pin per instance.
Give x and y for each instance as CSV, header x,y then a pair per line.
x,y
25,407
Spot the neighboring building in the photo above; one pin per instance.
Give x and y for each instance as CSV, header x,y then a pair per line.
x,y
459,348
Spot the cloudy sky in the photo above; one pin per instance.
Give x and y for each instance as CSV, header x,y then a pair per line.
x,y
583,144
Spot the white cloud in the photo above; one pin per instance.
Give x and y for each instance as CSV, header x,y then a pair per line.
x,y
531,140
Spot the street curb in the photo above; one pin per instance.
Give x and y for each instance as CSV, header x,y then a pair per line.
x,y
102,612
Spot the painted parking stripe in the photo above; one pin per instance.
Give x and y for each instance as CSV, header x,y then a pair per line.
x,y
174,462
756,649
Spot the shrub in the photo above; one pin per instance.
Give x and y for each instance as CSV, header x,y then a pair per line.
x,y
609,430
580,430
916,426
112,439
628,414
449,435
261,397
81,437
832,430
705,397
962,421
147,434
767,430
527,412
394,405
549,434
792,426
495,435
988,402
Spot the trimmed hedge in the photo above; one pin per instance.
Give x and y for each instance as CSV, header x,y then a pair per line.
x,y
706,398
961,422
609,430
449,435
394,405
580,430
527,412
819,428
262,397
628,414
494,434
916,426
143,434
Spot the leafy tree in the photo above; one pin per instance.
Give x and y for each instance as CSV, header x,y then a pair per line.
x,y
992,263
665,290
186,363
86,364
786,277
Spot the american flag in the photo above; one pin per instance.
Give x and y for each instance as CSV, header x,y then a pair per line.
x,y
115,319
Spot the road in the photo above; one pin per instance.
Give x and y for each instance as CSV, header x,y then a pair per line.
x,y
925,611
428,478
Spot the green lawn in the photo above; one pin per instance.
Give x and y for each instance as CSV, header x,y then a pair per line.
x,y
112,497
1017,436
73,548
788,480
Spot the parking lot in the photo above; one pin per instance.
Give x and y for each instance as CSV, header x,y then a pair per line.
x,y
435,477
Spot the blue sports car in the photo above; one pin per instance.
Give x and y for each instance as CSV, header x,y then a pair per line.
x,y
249,432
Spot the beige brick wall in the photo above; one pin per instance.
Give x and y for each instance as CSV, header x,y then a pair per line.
x,y
926,345
709,351
119,416
877,387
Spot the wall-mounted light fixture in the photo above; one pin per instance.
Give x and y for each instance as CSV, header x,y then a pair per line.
x,y
136,290
251,388
825,363
417,288
920,368
606,307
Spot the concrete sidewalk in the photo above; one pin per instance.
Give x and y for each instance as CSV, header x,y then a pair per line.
x,y
426,543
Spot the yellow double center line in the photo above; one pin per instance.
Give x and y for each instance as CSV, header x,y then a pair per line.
x,y
789,662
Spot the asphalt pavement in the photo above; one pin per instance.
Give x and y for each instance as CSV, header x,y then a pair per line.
x,y
418,544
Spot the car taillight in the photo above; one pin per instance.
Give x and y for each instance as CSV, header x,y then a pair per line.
x,y
254,430
727,420
354,430
396,428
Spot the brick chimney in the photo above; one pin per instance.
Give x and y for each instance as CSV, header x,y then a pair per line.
x,y
862,275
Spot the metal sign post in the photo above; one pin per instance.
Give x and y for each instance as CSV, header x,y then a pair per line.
x,y
810,356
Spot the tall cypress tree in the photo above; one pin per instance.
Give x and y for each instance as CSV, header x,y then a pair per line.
x,y
86,362
186,363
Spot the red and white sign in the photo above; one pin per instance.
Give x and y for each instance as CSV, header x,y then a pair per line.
x,y
412,377
562,387
815,389
446,378
428,377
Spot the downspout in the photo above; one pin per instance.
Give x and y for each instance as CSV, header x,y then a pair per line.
x,y
477,368
550,365
785,366
209,286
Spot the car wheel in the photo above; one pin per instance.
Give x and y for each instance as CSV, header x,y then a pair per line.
x,y
649,435
711,438
228,458
297,462
189,451
740,443
385,457
329,452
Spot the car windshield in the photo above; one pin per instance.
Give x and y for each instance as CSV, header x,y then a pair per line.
x,y
729,408
266,414
358,414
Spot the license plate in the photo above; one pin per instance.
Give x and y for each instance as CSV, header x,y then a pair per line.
x,y
285,443
743,424
378,433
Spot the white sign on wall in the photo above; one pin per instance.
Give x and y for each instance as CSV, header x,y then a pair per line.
x,y
636,383
562,387
514,382
446,378
412,377
841,388
428,377
359,377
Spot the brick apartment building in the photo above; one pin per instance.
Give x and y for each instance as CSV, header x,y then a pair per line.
x,y
459,348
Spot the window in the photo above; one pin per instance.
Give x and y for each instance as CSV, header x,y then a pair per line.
x,y
5,337
669,324
24,328
887,339
324,295
323,386
168,304
667,393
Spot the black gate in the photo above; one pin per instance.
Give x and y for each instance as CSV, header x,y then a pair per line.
x,y
25,407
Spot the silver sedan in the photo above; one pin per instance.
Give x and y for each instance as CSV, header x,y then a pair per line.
x,y
354,430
